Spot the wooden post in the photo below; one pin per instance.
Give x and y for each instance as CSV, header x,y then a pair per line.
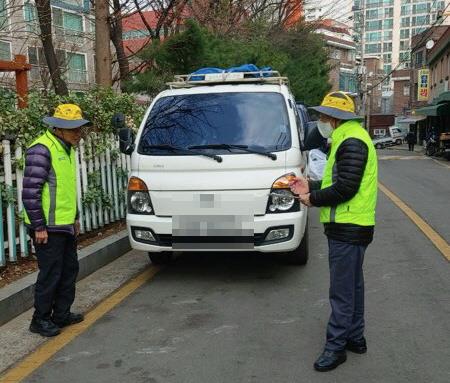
x,y
21,82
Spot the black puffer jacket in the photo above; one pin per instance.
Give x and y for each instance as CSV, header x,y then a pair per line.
x,y
351,160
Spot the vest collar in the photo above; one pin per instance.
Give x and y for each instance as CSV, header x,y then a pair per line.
x,y
63,145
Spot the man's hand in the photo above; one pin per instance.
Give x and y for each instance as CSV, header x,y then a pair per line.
x,y
41,237
299,185
77,228
304,199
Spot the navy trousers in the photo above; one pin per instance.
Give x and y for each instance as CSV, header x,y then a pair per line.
x,y
346,294
58,269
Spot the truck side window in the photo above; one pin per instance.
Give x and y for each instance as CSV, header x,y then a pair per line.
x,y
300,127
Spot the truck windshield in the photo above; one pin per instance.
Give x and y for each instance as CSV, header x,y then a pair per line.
x,y
257,120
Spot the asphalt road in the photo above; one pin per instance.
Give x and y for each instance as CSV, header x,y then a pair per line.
x,y
224,318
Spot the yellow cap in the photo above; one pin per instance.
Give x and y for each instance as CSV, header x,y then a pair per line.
x,y
66,116
339,100
338,105
69,112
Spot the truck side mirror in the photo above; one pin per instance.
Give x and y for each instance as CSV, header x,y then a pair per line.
x,y
126,141
118,121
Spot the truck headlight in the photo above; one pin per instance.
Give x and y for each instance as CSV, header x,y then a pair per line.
x,y
281,199
139,201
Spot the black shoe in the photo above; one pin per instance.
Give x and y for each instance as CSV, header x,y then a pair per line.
x,y
329,360
44,327
72,318
359,347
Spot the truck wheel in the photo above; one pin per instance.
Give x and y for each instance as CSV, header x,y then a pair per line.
x,y
162,258
378,146
398,141
300,255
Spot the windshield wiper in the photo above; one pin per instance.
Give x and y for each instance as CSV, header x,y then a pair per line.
x,y
187,150
245,148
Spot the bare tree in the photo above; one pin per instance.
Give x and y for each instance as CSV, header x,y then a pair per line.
x,y
45,24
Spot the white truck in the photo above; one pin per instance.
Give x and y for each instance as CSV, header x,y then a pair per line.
x,y
395,136
210,169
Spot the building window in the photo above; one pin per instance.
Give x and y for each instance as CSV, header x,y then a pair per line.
x,y
387,68
136,34
372,14
373,48
387,58
419,59
440,5
416,31
404,57
3,15
373,36
405,10
387,47
405,22
388,23
76,68
404,33
5,51
387,35
388,12
420,20
347,82
30,16
379,132
405,90
67,24
374,25
421,8
404,45
73,65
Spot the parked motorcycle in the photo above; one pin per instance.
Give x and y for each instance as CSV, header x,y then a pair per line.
x,y
431,145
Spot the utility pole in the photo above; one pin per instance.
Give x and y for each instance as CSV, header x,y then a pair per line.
x,y
362,70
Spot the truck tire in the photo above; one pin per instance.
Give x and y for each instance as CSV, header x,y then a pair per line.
x,y
398,141
162,258
378,146
300,255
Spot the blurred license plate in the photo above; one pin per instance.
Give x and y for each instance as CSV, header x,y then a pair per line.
x,y
213,231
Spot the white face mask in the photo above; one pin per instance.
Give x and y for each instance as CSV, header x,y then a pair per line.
x,y
325,128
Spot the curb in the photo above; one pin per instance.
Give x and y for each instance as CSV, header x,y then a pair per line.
x,y
18,296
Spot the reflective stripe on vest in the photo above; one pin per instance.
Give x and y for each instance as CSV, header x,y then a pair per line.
x,y
360,210
59,193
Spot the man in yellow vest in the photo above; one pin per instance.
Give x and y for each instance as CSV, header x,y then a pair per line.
x,y
50,200
347,197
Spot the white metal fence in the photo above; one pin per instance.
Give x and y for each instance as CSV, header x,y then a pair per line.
x,y
101,192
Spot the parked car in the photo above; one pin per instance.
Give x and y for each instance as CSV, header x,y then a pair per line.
x,y
210,168
381,142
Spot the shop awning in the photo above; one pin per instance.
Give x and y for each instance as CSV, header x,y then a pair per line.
x,y
443,97
411,119
435,110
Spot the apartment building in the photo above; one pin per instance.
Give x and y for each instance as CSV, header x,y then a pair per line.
x,y
389,26
73,38
342,54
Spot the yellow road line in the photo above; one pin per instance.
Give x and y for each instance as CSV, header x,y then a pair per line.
x,y
52,346
440,243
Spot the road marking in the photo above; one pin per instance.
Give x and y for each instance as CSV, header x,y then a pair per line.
x,y
441,163
36,359
440,243
385,158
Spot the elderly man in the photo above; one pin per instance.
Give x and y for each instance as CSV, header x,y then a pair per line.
x,y
50,201
347,197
